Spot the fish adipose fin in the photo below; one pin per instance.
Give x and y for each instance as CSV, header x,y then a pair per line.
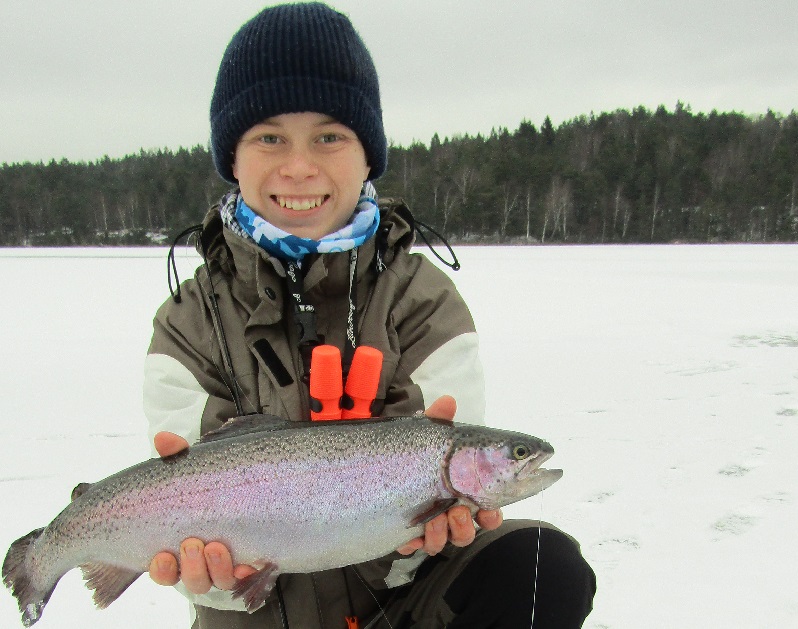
x,y
249,424
80,489
15,575
428,513
256,587
107,581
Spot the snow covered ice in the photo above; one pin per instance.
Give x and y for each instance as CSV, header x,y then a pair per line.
x,y
665,377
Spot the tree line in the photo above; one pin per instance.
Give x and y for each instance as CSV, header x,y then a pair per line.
x,y
635,176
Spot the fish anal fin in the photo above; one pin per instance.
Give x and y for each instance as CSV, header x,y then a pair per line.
x,y
427,512
107,581
256,587
249,424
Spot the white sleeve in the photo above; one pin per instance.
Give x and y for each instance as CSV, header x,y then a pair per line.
x,y
214,598
173,399
455,369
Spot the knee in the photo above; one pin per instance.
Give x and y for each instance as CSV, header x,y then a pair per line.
x,y
545,554
566,584
530,566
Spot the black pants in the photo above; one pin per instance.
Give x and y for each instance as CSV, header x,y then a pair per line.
x,y
560,585
502,583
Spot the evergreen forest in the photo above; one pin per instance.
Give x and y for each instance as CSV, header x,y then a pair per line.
x,y
637,176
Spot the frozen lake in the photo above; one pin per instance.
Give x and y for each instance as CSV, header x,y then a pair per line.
x,y
666,377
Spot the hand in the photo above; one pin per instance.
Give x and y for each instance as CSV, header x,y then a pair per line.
x,y
456,525
201,565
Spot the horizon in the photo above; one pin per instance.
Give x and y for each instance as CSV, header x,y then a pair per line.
x,y
80,82
155,150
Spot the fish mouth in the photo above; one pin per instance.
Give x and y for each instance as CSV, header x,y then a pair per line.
x,y
531,467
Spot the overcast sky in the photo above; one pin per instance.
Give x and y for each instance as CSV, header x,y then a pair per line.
x,y
85,78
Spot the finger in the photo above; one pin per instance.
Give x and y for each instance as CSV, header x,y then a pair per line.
x,y
193,569
461,526
444,407
168,443
412,546
220,565
489,520
163,569
242,571
436,534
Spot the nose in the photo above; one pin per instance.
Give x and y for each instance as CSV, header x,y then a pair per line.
x,y
299,164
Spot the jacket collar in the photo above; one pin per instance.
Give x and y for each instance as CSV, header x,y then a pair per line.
x,y
260,276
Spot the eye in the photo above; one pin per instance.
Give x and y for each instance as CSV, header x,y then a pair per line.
x,y
268,138
521,452
329,138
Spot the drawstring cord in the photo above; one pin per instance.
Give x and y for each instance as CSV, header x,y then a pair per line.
x,y
216,315
455,264
171,266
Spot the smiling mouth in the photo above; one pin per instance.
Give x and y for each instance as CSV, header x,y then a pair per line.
x,y
301,204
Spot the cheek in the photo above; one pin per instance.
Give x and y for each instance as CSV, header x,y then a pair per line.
x,y
493,469
463,474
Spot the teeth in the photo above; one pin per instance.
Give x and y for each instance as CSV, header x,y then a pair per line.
x,y
299,204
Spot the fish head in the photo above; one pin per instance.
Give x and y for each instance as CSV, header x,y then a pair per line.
x,y
493,468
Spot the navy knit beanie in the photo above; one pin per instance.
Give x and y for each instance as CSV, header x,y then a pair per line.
x,y
294,58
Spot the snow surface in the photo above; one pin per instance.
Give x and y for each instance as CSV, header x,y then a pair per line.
x,y
665,377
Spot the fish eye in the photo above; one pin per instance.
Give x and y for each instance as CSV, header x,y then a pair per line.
x,y
521,452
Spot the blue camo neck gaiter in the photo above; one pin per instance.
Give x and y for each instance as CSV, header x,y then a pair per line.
x,y
241,219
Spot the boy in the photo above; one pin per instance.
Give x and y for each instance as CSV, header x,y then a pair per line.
x,y
300,252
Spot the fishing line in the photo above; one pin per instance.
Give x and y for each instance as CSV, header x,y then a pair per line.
x,y
537,563
382,613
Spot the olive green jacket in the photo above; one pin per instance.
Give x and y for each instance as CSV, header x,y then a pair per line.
x,y
406,307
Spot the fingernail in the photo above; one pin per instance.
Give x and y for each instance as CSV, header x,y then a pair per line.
x,y
214,558
164,565
460,518
192,551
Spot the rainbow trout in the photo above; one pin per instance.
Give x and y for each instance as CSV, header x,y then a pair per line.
x,y
283,496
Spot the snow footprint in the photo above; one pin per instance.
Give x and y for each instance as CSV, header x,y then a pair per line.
x,y
740,522
608,553
734,524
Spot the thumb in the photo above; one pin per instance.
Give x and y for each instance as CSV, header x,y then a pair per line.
x,y
443,408
168,443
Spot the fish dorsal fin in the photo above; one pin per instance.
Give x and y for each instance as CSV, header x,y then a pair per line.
x,y
441,420
249,424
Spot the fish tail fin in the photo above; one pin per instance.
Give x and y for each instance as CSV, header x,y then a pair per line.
x,y
16,577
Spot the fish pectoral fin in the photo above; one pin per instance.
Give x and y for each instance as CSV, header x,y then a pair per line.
x,y
427,512
256,587
107,581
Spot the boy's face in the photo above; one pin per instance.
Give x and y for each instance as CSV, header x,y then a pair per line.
x,y
301,172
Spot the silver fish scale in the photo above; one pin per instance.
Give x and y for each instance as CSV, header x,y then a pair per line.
x,y
305,499
286,497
